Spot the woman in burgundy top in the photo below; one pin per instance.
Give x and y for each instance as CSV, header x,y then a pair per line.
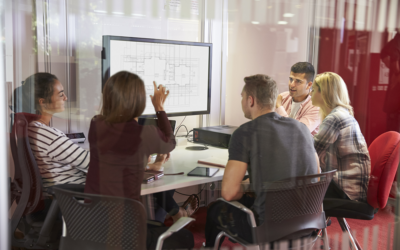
x,y
120,147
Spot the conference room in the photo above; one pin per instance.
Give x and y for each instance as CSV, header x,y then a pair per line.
x,y
136,124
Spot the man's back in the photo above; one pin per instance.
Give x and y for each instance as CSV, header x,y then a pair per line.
x,y
275,148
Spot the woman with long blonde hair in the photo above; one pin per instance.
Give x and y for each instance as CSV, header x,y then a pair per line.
x,y
339,143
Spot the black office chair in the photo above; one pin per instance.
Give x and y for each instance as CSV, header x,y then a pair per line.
x,y
39,232
293,209
106,222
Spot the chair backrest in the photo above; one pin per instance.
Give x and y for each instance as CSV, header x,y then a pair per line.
x,y
384,152
293,207
27,176
101,222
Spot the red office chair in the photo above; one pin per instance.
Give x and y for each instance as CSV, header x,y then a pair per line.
x,y
384,153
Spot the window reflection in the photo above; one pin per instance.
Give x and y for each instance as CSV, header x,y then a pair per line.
x,y
358,40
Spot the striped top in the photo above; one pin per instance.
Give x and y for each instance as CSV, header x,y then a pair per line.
x,y
60,161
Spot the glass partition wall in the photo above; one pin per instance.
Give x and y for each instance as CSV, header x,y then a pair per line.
x,y
5,190
359,40
356,39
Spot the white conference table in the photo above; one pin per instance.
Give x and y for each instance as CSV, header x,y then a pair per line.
x,y
183,160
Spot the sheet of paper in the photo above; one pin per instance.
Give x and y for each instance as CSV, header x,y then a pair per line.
x,y
173,5
194,8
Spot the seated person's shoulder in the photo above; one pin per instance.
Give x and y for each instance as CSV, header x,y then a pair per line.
x,y
341,118
291,126
36,126
43,133
299,125
97,118
288,120
284,94
245,127
244,130
336,117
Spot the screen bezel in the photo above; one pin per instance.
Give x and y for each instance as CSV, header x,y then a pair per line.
x,y
105,66
199,175
146,121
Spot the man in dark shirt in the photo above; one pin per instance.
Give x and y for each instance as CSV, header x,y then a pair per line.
x,y
270,147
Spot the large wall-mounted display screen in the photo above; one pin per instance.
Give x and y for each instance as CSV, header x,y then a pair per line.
x,y
183,67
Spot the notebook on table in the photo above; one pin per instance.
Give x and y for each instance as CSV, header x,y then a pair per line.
x,y
214,161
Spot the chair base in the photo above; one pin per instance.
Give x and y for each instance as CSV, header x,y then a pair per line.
x,y
354,244
341,209
30,242
31,236
308,245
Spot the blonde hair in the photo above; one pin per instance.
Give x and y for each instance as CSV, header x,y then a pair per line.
x,y
334,92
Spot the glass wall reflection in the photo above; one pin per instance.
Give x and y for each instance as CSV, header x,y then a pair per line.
x,y
359,40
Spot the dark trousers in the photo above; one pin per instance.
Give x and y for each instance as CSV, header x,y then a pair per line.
x,y
166,201
235,221
183,239
334,191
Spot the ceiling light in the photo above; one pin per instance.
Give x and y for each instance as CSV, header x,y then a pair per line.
x,y
118,13
255,22
288,15
282,22
100,11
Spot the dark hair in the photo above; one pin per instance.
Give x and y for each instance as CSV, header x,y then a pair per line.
x,y
263,88
124,97
304,67
37,86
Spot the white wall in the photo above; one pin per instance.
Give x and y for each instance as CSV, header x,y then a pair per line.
x,y
76,29
257,44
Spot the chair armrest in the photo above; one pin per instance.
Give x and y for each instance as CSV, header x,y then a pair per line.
x,y
243,208
173,229
155,223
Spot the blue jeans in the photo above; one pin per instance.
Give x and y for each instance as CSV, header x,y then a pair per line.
x,y
166,201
